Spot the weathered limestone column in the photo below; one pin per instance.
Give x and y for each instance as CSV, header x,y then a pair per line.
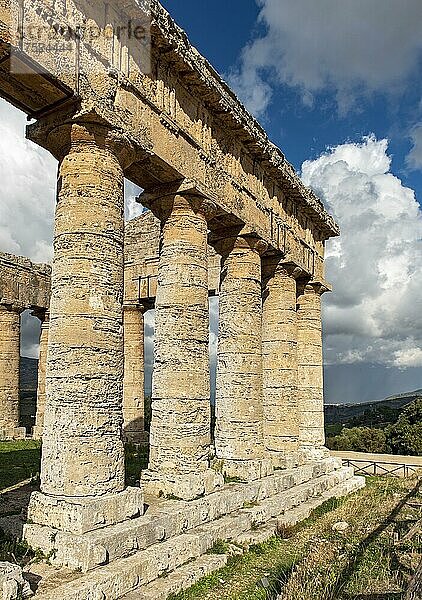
x,y
310,369
9,373
44,317
82,467
239,440
280,362
180,433
133,382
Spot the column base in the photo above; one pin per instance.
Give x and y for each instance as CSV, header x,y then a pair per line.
x,y
312,453
189,486
80,515
247,470
13,433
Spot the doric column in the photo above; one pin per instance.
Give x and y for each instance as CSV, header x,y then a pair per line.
x,y
9,373
239,441
82,466
310,369
44,317
180,426
280,366
133,382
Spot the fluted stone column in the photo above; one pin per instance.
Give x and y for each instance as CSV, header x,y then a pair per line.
x,y
239,441
310,369
133,382
9,373
280,363
82,467
180,426
44,317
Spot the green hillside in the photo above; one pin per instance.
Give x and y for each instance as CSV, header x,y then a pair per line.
x,y
369,414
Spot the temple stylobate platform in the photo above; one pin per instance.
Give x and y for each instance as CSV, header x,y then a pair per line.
x,y
122,93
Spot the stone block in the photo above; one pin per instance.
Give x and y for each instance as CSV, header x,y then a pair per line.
x,y
187,486
81,515
248,470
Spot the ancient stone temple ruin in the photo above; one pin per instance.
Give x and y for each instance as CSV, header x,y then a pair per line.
x,y
23,286
115,90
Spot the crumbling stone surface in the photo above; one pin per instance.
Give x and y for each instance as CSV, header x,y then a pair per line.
x,y
80,515
160,561
12,584
82,444
279,351
239,412
24,284
165,519
181,417
310,369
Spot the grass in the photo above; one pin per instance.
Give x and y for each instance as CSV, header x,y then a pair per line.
x,y
136,459
19,461
315,562
15,551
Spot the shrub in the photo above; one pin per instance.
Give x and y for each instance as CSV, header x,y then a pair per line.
x,y
359,439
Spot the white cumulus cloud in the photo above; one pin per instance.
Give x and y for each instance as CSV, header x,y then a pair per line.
x,y
28,189
350,47
376,265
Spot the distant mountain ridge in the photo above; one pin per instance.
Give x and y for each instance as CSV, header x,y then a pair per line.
x,y
366,413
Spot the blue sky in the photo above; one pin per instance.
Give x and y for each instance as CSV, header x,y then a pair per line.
x,y
337,84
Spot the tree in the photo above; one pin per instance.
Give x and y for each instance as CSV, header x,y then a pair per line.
x,y
405,436
359,439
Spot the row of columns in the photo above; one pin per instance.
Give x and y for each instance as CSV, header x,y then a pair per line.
x,y
10,329
291,352
269,395
257,385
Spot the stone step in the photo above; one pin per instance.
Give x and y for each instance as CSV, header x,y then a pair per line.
x,y
113,581
185,576
181,579
165,519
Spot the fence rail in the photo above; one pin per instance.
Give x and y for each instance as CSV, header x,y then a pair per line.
x,y
377,467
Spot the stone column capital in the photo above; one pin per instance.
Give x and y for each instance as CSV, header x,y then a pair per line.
x,y
314,287
273,265
61,137
227,240
162,199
